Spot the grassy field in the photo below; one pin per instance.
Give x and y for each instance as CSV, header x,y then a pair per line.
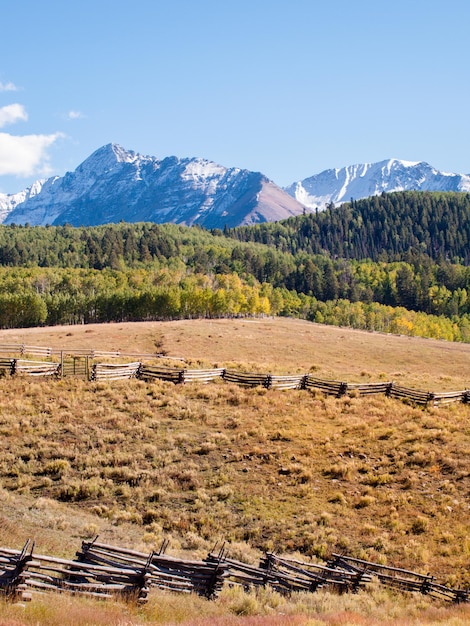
x,y
288,471
279,344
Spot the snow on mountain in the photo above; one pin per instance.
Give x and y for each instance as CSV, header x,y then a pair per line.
x,y
9,201
115,184
371,179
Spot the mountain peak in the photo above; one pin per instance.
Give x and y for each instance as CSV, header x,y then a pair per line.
x,y
371,179
114,184
112,153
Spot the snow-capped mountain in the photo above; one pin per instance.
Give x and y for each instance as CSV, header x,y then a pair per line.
x,y
371,179
10,201
115,184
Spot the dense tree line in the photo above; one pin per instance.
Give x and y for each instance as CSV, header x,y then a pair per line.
x,y
123,272
385,227
50,296
417,283
115,245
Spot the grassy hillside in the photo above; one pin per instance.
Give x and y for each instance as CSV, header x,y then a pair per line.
x,y
287,471
280,345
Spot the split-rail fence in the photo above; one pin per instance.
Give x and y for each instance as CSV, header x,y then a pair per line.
x,y
105,571
178,375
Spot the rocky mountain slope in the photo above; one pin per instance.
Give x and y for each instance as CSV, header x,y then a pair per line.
x,y
115,184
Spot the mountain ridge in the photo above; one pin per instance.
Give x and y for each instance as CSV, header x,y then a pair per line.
x,y
370,179
114,184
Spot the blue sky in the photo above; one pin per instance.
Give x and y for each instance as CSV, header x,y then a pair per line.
x,y
285,87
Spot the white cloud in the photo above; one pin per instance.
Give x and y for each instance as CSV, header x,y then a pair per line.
x,y
25,155
8,87
12,113
74,115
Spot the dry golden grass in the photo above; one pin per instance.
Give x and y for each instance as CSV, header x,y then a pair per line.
x,y
287,471
376,607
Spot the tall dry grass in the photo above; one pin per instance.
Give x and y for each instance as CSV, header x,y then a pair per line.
x,y
238,608
284,471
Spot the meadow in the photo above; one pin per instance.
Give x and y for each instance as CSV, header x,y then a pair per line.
x,y
290,471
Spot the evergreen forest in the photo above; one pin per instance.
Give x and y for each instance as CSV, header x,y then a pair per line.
x,y
395,263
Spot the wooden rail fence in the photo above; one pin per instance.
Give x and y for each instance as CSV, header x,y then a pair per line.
x,y
115,371
104,571
138,369
36,368
164,572
402,579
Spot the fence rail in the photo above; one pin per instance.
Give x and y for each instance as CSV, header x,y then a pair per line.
x,y
330,387
115,371
202,376
164,572
416,396
162,373
36,368
402,579
286,382
246,379
367,389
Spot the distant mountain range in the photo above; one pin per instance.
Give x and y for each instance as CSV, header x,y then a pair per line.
x,y
372,179
115,184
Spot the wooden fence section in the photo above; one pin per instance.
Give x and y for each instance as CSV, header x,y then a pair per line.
x,y
22,349
12,565
161,373
137,369
246,379
243,574
7,366
286,382
404,580
37,368
287,575
202,376
450,397
165,572
367,389
330,387
415,396
115,371
46,573
103,571
23,573
316,576
11,348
